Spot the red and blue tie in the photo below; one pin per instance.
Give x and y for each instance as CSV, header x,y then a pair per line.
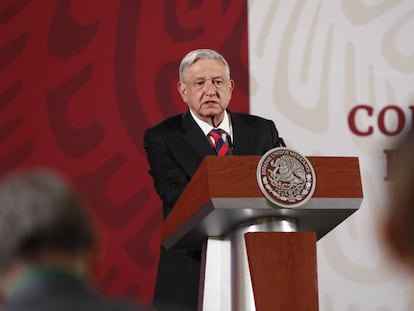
x,y
221,147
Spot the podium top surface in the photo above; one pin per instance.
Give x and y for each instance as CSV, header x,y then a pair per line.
x,y
224,193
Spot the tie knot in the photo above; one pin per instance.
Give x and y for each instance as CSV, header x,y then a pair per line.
x,y
216,134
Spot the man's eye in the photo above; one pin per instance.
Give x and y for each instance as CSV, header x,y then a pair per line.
x,y
218,82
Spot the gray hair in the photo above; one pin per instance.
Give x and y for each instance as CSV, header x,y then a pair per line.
x,y
196,55
40,212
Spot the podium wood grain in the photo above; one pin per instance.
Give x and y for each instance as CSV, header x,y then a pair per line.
x,y
283,270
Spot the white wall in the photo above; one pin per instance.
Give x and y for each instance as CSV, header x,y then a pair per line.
x,y
311,63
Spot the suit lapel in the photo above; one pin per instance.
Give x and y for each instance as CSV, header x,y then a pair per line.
x,y
193,145
195,136
241,135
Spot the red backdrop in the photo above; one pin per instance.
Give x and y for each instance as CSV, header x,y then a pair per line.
x,y
80,81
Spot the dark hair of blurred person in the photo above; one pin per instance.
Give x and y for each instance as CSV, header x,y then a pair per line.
x,y
47,243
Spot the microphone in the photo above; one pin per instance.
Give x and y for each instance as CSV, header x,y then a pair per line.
x,y
229,142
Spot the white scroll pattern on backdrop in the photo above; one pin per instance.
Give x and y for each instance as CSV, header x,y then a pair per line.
x,y
311,63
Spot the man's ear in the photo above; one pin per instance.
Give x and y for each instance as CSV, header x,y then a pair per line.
x,y
231,85
182,89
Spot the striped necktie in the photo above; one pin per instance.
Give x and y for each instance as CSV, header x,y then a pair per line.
x,y
221,147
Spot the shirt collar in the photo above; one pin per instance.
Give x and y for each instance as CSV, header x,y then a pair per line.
x,y
206,128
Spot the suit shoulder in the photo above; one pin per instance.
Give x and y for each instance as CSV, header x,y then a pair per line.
x,y
166,124
249,117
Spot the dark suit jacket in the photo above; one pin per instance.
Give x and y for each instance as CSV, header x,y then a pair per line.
x,y
175,148
63,294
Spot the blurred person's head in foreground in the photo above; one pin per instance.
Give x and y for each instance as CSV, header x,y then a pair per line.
x,y
42,223
399,221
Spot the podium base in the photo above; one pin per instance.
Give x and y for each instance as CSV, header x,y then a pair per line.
x,y
225,275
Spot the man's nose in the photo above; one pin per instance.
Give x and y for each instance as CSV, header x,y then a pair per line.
x,y
209,86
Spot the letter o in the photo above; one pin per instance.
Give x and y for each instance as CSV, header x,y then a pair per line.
x,y
400,120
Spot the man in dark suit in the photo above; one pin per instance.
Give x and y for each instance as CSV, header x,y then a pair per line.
x,y
46,245
176,146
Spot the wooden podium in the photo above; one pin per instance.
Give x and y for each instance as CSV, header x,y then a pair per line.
x,y
256,255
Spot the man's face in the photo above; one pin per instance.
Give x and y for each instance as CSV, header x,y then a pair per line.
x,y
206,89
